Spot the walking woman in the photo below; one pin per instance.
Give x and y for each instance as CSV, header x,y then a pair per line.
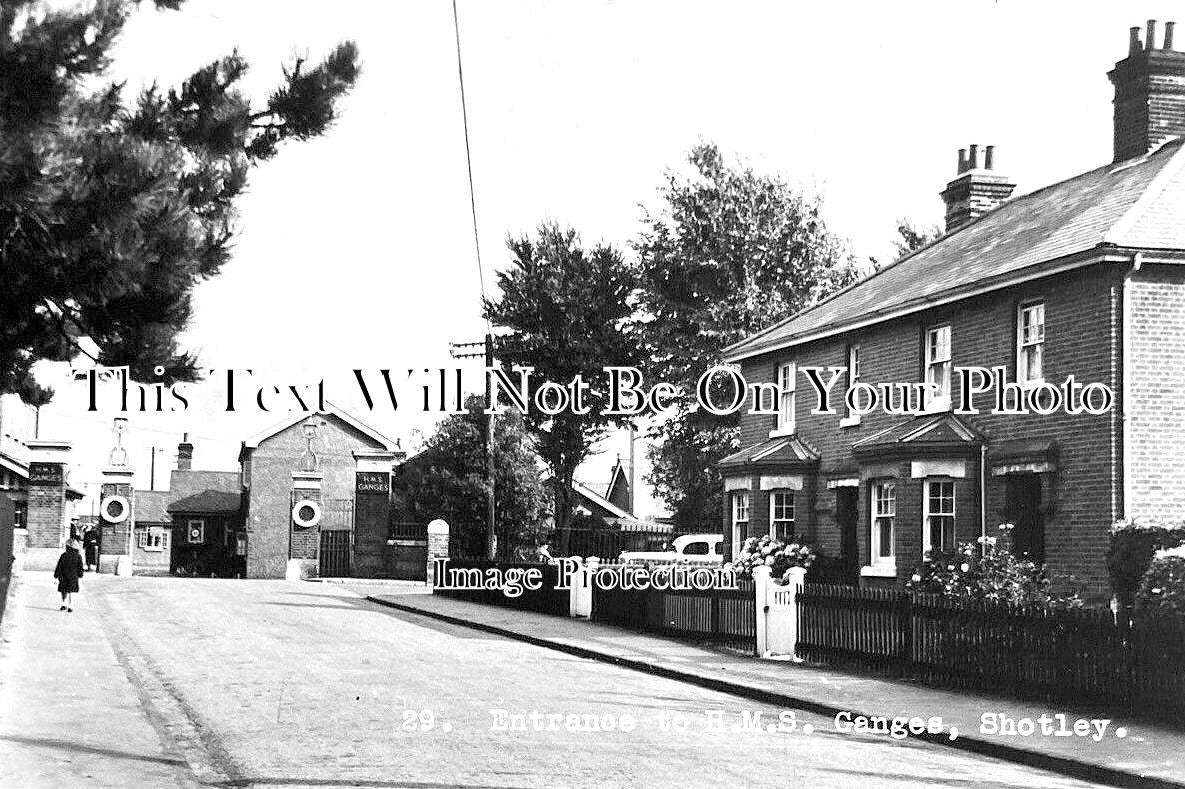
x,y
68,572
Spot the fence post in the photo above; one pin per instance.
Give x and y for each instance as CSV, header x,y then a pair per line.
x,y
586,593
905,628
580,593
437,547
761,583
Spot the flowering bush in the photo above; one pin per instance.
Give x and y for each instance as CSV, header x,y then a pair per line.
x,y
1133,544
778,556
989,575
1162,592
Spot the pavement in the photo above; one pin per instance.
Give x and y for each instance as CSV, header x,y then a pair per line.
x,y
1130,752
202,682
59,675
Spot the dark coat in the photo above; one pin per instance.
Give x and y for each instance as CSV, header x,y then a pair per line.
x,y
68,571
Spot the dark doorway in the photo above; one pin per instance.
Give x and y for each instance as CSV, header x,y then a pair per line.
x,y
846,517
335,554
1022,508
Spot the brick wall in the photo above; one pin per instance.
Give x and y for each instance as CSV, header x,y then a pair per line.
x,y
1082,315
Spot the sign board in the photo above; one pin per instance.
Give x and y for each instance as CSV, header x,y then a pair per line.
x,y
373,482
46,474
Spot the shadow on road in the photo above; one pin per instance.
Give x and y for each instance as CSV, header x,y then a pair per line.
x,y
75,747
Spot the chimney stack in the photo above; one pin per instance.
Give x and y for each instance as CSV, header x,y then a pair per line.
x,y
1149,93
975,191
184,454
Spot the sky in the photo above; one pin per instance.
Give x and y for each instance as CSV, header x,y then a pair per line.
x,y
356,250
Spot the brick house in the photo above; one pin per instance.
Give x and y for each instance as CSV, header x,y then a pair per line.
x,y
1083,277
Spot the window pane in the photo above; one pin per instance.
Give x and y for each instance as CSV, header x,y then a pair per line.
x,y
886,537
1033,362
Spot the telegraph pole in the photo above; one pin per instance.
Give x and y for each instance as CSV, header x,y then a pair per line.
x,y
458,352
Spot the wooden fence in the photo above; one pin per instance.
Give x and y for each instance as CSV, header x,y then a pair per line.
x,y
546,600
1078,655
721,616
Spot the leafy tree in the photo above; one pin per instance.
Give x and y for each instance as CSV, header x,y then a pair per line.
x,y
914,237
111,211
731,252
448,480
567,310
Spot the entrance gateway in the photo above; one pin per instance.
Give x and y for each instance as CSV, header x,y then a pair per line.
x,y
337,539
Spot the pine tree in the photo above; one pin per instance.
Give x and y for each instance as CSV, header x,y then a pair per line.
x,y
112,210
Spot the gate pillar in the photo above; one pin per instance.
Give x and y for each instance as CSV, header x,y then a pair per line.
x,y
304,541
372,512
437,546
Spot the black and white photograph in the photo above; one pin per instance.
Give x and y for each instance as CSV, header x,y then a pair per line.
x,y
592,393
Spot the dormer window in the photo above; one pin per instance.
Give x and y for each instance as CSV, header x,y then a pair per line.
x,y
938,368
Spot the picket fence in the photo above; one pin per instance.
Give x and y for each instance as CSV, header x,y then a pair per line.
x,y
1079,655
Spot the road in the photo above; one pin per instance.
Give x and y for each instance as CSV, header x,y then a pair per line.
x,y
258,683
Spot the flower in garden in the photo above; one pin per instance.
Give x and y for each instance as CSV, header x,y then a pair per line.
x,y
916,578
965,567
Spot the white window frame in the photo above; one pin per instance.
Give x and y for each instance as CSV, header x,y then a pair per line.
x,y
853,375
935,363
189,525
930,511
778,506
153,538
787,382
740,515
883,509
1025,344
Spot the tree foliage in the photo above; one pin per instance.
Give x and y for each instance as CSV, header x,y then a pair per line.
x,y
448,480
913,237
567,309
731,252
113,209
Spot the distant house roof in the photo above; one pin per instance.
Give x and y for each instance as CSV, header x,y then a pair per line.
x,y
150,506
330,409
1135,204
208,501
186,482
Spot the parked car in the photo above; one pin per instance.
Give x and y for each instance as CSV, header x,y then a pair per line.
x,y
692,548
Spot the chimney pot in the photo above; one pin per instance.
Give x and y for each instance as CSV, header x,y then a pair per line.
x,y
974,192
184,454
1134,42
1147,104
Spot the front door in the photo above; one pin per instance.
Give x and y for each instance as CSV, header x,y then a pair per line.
x,y
846,500
1022,508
